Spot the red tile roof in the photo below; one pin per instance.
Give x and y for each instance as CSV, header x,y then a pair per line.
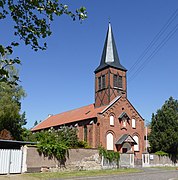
x,y
85,112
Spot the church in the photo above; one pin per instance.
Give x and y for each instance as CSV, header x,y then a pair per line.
x,y
111,121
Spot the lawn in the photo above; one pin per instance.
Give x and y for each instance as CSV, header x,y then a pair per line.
x,y
69,174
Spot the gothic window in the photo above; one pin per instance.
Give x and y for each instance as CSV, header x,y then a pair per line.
x,y
117,81
109,141
111,119
136,146
101,82
133,123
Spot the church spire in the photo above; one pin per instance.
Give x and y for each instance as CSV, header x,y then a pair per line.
x,y
110,56
110,75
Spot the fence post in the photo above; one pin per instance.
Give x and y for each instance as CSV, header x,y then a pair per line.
x,y
24,159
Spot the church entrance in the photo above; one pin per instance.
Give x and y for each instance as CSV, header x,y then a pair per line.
x,y
126,147
125,143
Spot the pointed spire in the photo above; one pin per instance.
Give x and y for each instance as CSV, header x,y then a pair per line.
x,y
110,56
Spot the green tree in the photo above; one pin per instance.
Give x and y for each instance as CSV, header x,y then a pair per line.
x,y
32,21
10,116
55,143
27,135
68,135
50,145
35,123
164,128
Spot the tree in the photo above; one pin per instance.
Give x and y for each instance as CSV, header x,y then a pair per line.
x,y
55,143
32,20
10,117
35,123
164,128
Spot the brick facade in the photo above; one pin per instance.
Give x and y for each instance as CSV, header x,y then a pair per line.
x,y
97,132
122,105
105,95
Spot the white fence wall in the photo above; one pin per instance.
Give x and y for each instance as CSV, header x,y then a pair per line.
x,y
10,161
4,161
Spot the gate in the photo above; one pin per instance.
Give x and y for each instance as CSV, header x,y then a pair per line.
x,y
145,160
10,161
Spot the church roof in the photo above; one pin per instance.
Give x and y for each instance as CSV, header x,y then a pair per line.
x,y
83,113
125,138
110,56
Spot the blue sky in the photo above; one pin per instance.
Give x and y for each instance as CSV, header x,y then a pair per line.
x,y
62,77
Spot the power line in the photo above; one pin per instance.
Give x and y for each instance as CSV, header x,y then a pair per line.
x,y
155,39
163,42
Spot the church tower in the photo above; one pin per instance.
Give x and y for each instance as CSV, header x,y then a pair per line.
x,y
110,75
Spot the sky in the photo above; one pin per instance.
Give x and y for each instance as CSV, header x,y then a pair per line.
x,y
62,77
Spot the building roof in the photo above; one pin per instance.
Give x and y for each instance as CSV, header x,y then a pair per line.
x,y
13,144
109,56
111,103
83,113
125,138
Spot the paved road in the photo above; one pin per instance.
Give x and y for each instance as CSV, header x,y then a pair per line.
x,y
146,175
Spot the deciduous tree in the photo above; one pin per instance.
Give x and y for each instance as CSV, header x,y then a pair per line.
x,y
164,128
10,117
32,20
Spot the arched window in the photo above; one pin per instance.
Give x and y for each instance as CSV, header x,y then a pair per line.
x,y
133,123
111,119
136,146
109,141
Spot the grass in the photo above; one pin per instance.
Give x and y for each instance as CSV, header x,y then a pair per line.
x,y
165,167
69,174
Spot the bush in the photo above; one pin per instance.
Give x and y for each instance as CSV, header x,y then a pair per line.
x,y
55,143
109,155
161,153
83,144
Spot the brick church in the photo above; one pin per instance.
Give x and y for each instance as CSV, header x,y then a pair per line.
x,y
112,121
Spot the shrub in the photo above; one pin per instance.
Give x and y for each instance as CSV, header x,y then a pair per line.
x,y
161,153
109,155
